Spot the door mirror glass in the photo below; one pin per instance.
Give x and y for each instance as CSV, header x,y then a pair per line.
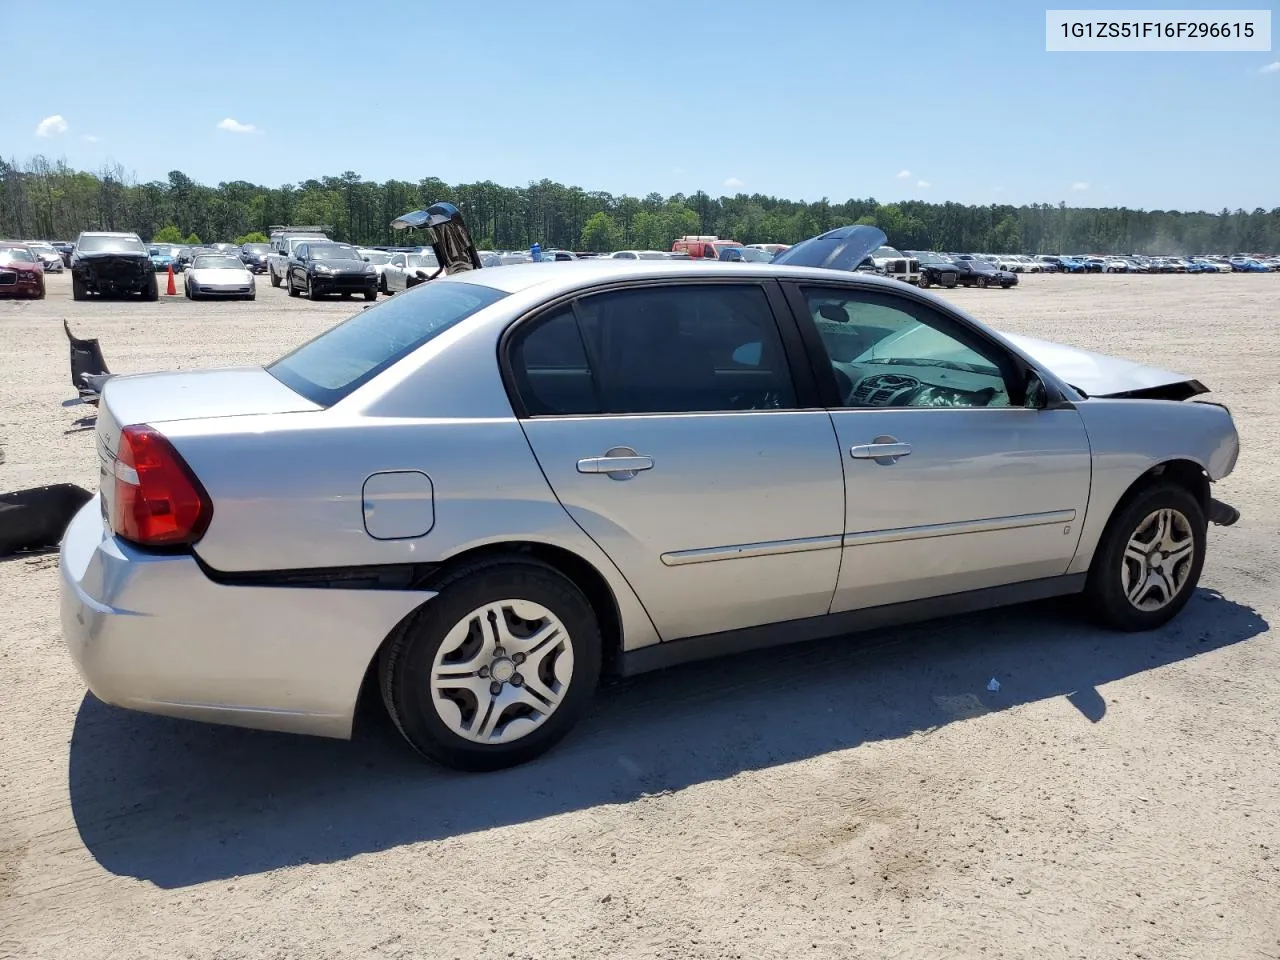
x,y
748,355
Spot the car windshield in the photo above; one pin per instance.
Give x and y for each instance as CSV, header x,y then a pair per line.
x,y
422,260
650,255
332,251
886,252
16,255
256,248
221,262
343,358
101,244
932,259
982,266
41,248
752,255
376,256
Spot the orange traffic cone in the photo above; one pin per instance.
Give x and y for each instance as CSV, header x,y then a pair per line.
x,y
172,291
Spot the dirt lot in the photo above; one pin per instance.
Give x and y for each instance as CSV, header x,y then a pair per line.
x,y
1118,797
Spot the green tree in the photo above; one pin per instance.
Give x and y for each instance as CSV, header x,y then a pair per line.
x,y
169,234
193,240
254,237
601,233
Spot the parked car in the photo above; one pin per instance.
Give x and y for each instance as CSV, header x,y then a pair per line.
x,y
64,247
770,248
379,259
655,254
21,273
741,255
1248,265
219,275
935,269
50,259
894,263
254,256
405,270
319,268
105,263
230,248
1073,265
161,259
980,273
490,490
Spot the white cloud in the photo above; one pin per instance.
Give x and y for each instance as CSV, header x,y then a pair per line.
x,y
1079,185
50,126
235,126
904,174
1273,67
733,183
92,137
922,184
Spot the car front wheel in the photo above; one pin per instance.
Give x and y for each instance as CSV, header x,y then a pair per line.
x,y
1149,561
496,668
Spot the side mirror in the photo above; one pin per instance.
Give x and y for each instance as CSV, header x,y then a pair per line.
x,y
365,259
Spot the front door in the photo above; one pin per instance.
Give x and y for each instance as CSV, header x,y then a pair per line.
x,y
669,422
950,486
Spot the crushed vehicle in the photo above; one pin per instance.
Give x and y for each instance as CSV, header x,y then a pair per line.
x,y
112,264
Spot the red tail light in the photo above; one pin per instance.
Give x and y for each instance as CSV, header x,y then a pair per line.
x,y
158,500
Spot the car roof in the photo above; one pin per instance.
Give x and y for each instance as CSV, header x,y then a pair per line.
x,y
572,275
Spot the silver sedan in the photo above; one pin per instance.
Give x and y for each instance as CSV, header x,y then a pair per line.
x,y
405,270
493,489
219,275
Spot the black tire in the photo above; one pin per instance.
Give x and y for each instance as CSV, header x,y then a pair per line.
x,y
923,282
293,291
40,293
186,291
275,281
382,285
151,292
1104,591
78,289
252,296
982,282
952,285
404,665
371,294
311,291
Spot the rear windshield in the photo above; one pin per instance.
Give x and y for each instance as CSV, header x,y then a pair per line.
x,y
110,245
354,352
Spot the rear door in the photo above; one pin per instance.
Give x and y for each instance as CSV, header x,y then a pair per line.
x,y
953,482
678,425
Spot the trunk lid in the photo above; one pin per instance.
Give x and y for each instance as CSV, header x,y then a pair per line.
x,y
447,235
841,249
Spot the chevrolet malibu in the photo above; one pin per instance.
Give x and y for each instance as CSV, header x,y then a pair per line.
x,y
484,493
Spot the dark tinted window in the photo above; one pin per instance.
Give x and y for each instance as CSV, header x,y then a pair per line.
x,y
354,352
686,348
551,369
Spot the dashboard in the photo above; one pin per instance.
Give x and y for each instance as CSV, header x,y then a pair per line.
x,y
908,383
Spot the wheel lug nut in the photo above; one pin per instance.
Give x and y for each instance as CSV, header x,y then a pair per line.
x,y
484,672
518,659
495,688
500,652
516,680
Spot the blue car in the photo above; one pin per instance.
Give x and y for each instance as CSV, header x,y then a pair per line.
x,y
1073,265
162,258
1248,265
1200,266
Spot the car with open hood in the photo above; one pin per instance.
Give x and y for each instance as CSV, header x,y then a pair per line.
x,y
484,494
108,263
983,273
935,269
221,275
320,268
21,273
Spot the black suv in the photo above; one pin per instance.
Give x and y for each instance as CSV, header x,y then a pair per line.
x,y
112,263
322,267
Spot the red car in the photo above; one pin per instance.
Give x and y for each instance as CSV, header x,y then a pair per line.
x,y
21,273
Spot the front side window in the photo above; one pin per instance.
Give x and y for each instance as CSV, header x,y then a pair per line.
x,y
351,354
684,348
888,352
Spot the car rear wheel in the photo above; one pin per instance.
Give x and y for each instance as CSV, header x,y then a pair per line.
x,y
496,668
1149,561
275,281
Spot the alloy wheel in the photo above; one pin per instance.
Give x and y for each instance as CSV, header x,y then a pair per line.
x,y
1157,559
501,671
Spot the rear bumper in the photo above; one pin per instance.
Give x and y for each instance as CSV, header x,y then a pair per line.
x,y
153,633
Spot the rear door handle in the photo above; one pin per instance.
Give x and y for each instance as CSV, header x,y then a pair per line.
x,y
884,450
620,463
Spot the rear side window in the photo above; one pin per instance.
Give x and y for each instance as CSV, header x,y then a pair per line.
x,y
331,366
683,348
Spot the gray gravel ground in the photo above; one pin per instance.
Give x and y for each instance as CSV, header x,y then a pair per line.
x,y
865,797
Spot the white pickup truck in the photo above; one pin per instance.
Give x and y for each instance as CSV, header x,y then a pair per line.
x,y
282,247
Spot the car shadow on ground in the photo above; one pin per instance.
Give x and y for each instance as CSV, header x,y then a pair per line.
x,y
179,803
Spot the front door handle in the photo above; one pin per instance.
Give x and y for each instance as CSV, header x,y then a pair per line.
x,y
883,450
619,463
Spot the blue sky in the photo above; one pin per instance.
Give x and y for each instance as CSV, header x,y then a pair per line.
x,y
795,99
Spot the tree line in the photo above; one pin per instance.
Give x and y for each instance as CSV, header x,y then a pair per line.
x,y
46,199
